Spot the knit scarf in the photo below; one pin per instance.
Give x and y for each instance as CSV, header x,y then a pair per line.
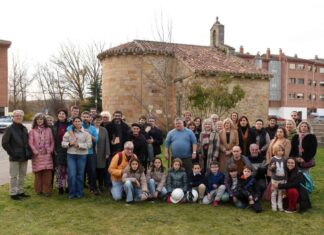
x,y
301,136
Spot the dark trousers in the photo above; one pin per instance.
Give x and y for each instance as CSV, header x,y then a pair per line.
x,y
100,177
91,171
107,179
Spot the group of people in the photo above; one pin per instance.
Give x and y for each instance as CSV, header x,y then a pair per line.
x,y
211,161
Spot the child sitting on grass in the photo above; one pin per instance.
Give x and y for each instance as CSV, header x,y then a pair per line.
x,y
197,182
156,178
277,168
176,179
215,187
246,190
134,180
231,184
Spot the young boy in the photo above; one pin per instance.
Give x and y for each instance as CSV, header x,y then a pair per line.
x,y
215,187
246,189
196,182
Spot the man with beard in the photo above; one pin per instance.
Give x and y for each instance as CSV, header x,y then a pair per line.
x,y
139,142
118,132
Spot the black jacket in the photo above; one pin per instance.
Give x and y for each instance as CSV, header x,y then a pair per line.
x,y
251,139
272,131
157,136
196,180
294,180
112,129
15,142
309,144
139,146
60,154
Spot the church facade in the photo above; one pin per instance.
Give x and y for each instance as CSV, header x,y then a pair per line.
x,y
149,77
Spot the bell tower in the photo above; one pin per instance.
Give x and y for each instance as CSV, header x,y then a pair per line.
x,y
217,33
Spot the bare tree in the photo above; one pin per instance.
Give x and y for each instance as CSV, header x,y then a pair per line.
x,y
19,81
69,62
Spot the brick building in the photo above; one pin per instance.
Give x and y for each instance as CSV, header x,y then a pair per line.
x,y
135,75
297,83
4,95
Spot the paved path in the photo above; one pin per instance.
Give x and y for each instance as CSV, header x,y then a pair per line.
x,y
4,162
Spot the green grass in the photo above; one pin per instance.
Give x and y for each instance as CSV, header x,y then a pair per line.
x,y
101,215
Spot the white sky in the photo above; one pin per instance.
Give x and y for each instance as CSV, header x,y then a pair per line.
x,y
37,27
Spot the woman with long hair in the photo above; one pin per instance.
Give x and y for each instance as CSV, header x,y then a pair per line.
x,y
246,135
41,143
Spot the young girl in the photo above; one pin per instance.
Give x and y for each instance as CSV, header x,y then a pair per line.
x,y
176,179
277,168
246,189
156,178
134,180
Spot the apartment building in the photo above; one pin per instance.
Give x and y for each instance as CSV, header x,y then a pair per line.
x,y
297,83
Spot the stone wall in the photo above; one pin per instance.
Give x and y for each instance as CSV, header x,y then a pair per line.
x,y
135,85
254,105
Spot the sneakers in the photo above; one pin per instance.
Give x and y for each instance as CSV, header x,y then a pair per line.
x,y
289,211
215,203
23,195
15,197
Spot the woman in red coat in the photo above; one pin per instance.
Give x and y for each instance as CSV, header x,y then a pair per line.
x,y
42,144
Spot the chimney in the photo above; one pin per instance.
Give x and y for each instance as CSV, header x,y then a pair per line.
x,y
280,54
217,34
295,56
268,54
241,50
316,57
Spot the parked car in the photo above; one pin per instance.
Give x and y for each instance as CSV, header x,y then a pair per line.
x,y
319,118
4,123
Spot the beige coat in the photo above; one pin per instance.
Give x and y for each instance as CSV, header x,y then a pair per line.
x,y
234,140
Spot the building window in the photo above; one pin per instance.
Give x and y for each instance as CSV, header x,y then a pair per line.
x,y
321,97
300,66
291,96
292,66
300,96
321,83
310,82
311,97
321,70
292,81
300,80
309,68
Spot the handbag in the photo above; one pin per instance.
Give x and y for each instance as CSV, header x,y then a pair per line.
x,y
308,164
267,193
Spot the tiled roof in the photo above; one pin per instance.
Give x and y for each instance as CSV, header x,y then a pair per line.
x,y
200,59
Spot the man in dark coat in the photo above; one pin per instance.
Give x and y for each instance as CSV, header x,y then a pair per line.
x,y
118,132
15,142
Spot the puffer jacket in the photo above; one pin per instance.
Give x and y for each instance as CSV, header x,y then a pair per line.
x,y
133,176
42,153
159,178
177,179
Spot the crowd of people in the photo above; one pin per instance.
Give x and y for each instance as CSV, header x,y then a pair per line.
x,y
212,161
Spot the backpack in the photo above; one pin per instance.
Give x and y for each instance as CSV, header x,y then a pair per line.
x,y
309,183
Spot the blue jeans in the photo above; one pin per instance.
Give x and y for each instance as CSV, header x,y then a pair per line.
x,y
117,190
91,171
132,193
152,188
76,167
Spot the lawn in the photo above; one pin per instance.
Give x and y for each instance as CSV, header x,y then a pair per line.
x,y
101,215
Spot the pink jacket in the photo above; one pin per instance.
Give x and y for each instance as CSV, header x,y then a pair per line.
x,y
41,142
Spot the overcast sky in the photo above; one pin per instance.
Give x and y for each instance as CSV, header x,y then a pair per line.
x,y
37,27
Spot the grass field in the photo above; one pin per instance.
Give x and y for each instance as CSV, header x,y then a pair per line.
x,y
101,215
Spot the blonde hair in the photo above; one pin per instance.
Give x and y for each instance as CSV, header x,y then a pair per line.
x,y
310,129
292,122
230,121
106,114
